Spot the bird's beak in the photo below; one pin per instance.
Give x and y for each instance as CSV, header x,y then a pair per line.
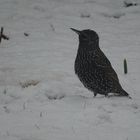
x,y
76,31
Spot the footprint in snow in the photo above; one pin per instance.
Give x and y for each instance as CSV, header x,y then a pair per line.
x,y
104,118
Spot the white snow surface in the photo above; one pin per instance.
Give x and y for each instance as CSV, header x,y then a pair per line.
x,y
58,107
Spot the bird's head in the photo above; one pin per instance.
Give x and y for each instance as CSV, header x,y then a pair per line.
x,y
87,36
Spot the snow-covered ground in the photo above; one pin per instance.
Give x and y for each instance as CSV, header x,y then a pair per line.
x,y
58,107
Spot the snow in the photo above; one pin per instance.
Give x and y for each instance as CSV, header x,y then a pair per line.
x,y
40,96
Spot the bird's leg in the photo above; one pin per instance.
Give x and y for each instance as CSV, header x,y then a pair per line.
x,y
106,95
95,93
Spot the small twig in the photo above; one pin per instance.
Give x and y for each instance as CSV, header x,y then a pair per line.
x,y
1,32
129,4
5,37
2,35
125,66
26,34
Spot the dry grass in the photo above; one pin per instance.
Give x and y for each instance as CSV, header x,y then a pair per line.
x,y
28,83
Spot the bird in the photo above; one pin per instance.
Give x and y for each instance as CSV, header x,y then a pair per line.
x,y
93,68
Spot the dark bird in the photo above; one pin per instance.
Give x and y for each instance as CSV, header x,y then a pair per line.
x,y
93,68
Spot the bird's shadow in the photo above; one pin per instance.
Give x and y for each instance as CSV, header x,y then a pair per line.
x,y
117,96
106,97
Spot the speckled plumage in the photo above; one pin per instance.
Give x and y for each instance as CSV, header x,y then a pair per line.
x,y
93,68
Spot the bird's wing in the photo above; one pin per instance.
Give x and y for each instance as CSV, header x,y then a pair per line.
x,y
102,62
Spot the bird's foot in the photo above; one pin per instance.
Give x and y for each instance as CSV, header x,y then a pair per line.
x,y
95,94
129,97
106,95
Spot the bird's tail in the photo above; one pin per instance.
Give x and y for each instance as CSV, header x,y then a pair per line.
x,y
124,93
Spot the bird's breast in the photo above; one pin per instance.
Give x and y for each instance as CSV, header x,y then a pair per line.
x,y
83,63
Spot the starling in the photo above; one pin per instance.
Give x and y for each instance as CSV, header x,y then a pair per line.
x,y
93,68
